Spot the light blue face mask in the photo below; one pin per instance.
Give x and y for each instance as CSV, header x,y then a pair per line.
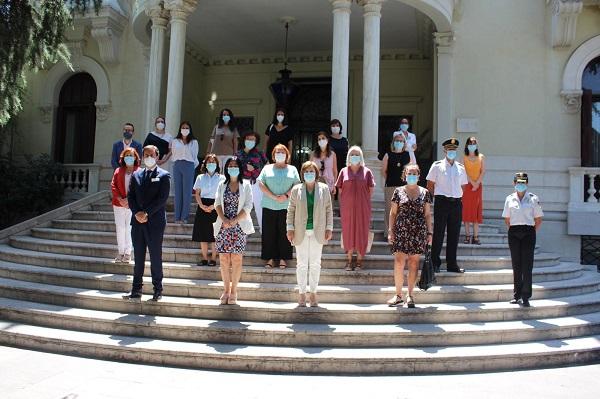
x,y
233,172
398,145
211,167
521,187
226,118
309,177
249,144
451,154
355,159
411,180
404,127
472,147
129,160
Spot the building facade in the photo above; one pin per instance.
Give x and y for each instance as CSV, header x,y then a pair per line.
x,y
520,75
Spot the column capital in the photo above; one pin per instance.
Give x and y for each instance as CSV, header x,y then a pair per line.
x,y
158,15
341,5
371,7
444,41
180,9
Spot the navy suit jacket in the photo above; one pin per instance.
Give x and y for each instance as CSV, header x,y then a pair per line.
x,y
149,195
118,148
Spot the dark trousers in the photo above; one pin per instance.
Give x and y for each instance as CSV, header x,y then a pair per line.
x,y
275,244
144,236
521,241
447,213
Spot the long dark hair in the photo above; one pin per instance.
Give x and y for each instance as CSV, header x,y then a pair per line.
x,y
231,123
285,117
190,137
318,152
242,144
226,172
207,159
469,142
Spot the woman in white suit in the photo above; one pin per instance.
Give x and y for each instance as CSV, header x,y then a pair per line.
x,y
309,226
233,204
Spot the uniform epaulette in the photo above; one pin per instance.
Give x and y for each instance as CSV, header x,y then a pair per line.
x,y
437,162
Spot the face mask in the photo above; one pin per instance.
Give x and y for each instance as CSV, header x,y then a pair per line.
x,y
280,118
335,129
249,144
411,180
127,135
472,147
233,172
160,125
398,145
355,159
211,167
149,162
280,157
322,143
521,187
309,177
451,154
226,118
185,132
404,127
129,160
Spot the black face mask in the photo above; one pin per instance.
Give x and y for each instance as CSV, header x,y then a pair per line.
x,y
127,135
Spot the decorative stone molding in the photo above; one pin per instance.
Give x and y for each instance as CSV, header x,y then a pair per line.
x,y
564,21
371,7
103,111
107,28
180,9
444,42
46,113
571,101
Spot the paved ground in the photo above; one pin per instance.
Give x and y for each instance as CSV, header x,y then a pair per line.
x,y
33,375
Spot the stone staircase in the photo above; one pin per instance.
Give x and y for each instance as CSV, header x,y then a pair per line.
x,y
60,292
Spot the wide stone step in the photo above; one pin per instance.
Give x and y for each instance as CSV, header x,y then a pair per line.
x,y
186,229
283,292
298,334
254,243
253,257
258,274
288,312
310,360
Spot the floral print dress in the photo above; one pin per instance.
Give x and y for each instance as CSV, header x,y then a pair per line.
x,y
410,227
231,240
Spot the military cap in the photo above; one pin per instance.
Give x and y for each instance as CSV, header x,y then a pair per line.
x,y
521,177
451,143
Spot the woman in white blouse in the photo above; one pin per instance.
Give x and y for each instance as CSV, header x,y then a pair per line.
x,y
184,153
205,190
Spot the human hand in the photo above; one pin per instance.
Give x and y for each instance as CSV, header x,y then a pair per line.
x,y
281,198
328,235
429,239
141,217
290,236
333,190
249,167
390,238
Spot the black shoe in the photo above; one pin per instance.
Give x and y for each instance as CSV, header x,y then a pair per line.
x,y
212,262
157,296
455,269
203,262
133,296
526,303
515,301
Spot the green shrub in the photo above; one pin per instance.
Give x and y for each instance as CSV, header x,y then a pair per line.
x,y
28,189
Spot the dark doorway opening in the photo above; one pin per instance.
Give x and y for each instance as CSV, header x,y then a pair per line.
x,y
76,121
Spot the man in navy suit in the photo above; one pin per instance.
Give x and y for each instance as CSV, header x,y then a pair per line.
x,y
128,141
147,197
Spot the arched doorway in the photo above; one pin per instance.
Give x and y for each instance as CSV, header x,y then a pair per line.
x,y
590,114
76,120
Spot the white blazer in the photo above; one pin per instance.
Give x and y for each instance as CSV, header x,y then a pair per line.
x,y
245,203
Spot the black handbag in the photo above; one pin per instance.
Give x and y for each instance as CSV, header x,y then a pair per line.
x,y
427,278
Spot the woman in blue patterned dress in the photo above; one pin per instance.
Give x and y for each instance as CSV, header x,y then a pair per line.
x,y
233,204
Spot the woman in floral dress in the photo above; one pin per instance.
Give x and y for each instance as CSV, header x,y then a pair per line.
x,y
410,231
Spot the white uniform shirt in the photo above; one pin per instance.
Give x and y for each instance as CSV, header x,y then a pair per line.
x,y
448,179
208,184
184,152
411,141
522,212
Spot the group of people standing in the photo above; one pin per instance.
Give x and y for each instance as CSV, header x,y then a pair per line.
x,y
296,208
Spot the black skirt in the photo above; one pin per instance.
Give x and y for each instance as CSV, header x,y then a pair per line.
x,y
203,223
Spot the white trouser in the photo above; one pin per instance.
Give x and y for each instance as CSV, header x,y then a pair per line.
x,y
257,195
308,262
123,227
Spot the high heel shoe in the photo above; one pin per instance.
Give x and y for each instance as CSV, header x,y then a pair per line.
x,y
232,299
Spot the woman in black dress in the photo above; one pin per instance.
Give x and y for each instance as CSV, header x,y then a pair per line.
x,y
392,166
278,132
338,143
410,231
161,140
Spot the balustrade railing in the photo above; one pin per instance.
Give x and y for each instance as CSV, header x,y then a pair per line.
x,y
584,201
80,178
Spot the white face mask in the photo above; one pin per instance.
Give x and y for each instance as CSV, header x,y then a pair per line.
x,y
160,125
335,129
322,143
149,162
185,132
280,118
280,157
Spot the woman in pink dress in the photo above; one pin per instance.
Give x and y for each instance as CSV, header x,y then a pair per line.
x,y
355,186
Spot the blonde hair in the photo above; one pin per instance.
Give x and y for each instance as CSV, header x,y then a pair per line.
x,y
288,156
359,150
394,139
409,167
307,165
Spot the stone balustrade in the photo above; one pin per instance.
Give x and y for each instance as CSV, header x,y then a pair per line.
x,y
584,201
80,178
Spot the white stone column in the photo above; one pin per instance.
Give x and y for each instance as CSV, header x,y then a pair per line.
x,y
340,61
370,97
179,10
159,17
445,95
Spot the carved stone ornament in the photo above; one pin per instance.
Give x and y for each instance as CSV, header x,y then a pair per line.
x,y
572,101
102,111
564,21
444,41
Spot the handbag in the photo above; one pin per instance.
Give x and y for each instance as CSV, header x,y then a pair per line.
x,y
427,278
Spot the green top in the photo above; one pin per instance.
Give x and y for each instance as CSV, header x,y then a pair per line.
x,y
310,204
